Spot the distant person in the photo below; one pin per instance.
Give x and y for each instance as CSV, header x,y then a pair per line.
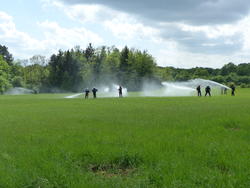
x,y
86,91
208,91
94,90
199,90
233,90
120,91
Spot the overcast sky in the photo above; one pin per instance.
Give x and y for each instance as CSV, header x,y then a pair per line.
x,y
179,33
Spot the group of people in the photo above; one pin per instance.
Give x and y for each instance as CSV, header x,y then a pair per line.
x,y
94,91
87,91
208,90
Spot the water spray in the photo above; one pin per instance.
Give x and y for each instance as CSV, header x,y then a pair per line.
x,y
73,96
186,88
112,91
19,91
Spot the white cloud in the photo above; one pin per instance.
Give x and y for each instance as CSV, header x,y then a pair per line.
x,y
176,57
59,37
18,42
173,43
83,13
182,59
121,25
196,12
5,17
80,13
244,27
211,37
211,32
22,45
125,27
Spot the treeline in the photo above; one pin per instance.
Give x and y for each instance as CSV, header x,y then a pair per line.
x,y
229,74
75,69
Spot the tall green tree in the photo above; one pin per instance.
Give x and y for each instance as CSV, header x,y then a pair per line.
x,y
7,56
36,73
228,68
5,75
123,75
89,52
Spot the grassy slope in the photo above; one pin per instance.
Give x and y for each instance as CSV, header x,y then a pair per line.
x,y
173,142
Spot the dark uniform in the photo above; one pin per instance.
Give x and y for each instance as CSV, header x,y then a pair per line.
x,y
208,90
199,90
86,93
233,90
94,90
120,91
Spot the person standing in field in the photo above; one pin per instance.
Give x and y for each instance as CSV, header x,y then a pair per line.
x,y
199,90
233,90
208,91
86,91
120,91
94,90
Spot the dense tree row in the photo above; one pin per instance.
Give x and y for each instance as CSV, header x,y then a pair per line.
x,y
76,69
228,74
11,73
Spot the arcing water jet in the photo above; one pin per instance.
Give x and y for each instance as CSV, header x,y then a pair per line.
x,y
186,88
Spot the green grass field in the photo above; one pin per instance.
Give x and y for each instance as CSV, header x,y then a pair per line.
x,y
49,141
